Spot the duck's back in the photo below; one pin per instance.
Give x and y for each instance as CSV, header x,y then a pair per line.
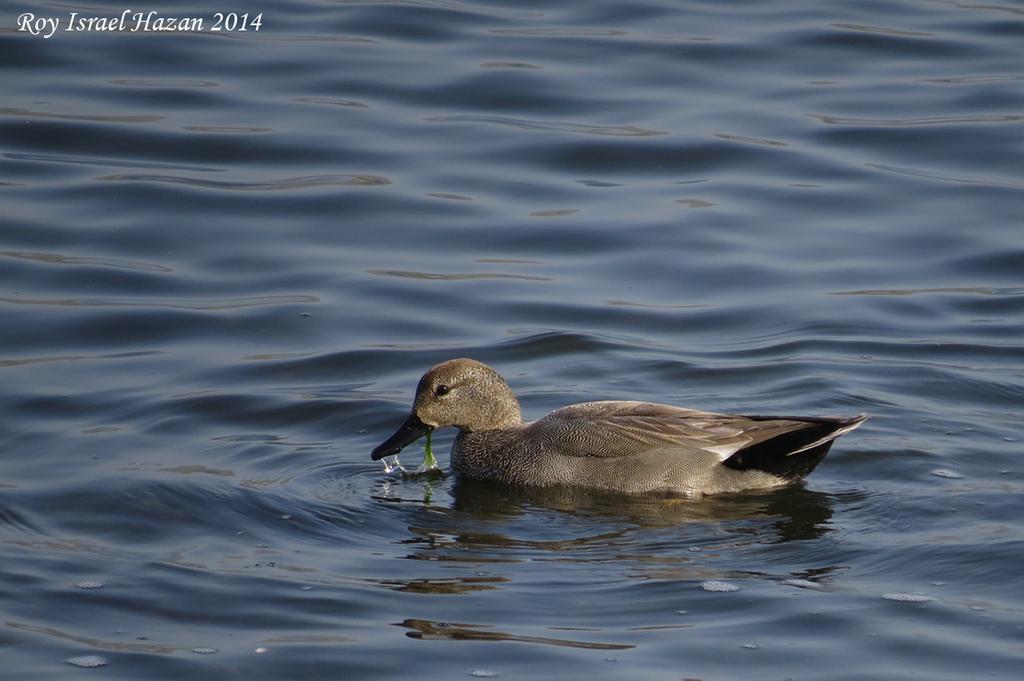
x,y
643,447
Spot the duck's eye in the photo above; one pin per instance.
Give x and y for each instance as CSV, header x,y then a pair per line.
x,y
442,390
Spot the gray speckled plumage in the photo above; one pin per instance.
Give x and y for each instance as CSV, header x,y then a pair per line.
x,y
619,446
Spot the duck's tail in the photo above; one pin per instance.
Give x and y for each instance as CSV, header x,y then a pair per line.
x,y
795,453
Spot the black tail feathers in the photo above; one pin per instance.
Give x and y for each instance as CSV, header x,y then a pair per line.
x,y
794,454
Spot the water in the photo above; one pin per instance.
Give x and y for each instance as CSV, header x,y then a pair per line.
x,y
225,260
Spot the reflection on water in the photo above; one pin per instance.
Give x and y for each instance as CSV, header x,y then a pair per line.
x,y
454,631
795,512
484,527
455,585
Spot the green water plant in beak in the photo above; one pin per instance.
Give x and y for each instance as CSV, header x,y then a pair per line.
x,y
429,462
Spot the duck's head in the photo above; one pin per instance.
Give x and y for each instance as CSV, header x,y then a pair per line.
x,y
460,392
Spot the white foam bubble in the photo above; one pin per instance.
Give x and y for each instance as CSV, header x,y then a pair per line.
x,y
87,661
946,473
89,584
803,584
721,587
483,673
204,651
914,597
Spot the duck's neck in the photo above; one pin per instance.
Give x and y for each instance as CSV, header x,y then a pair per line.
x,y
497,415
510,415
498,410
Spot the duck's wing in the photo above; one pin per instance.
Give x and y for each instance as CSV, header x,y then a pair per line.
x,y
619,429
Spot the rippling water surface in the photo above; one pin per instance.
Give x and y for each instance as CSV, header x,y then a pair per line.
x,y
226,258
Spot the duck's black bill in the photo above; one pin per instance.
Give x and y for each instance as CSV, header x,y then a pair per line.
x,y
410,431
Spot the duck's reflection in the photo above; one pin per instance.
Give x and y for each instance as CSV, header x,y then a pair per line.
x,y
487,525
455,631
488,536
794,512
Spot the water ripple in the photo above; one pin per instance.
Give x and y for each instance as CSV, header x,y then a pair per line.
x,y
58,259
448,5
508,65
561,32
93,118
750,140
164,82
945,177
981,290
23,361
230,129
98,643
928,120
973,80
332,102
583,128
881,30
117,163
286,184
194,304
455,276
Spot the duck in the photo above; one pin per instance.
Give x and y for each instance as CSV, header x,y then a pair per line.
x,y
620,446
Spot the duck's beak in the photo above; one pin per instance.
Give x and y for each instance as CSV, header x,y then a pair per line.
x,y
410,431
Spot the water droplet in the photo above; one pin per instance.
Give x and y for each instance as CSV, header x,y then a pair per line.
x,y
307,588
392,464
89,584
261,650
750,646
908,598
715,586
946,473
483,674
682,612
204,651
88,661
286,516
